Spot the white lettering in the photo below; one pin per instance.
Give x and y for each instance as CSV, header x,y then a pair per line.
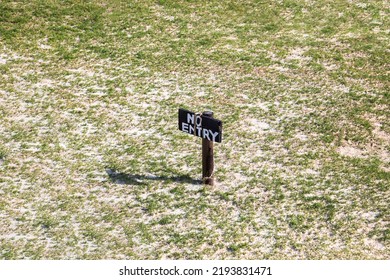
x,y
206,134
214,135
198,120
199,129
190,118
191,130
184,127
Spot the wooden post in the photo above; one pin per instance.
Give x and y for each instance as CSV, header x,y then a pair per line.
x,y
207,157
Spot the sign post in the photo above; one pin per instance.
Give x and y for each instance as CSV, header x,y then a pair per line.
x,y
208,157
210,130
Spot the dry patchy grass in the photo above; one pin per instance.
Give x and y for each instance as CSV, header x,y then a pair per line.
x,y
92,165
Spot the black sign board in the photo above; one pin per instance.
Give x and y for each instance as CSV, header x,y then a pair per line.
x,y
200,125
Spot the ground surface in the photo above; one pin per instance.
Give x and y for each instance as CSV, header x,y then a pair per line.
x,y
92,165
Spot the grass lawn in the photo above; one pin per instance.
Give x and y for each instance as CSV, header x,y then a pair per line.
x,y
92,165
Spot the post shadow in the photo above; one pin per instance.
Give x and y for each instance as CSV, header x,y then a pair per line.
x,y
137,179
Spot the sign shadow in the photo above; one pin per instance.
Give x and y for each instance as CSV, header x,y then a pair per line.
x,y
142,180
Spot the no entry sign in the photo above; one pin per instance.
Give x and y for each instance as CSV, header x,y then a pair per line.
x,y
200,125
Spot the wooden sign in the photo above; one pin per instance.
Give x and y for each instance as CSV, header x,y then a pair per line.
x,y
200,125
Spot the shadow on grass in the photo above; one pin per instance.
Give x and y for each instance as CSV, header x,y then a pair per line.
x,y
136,179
